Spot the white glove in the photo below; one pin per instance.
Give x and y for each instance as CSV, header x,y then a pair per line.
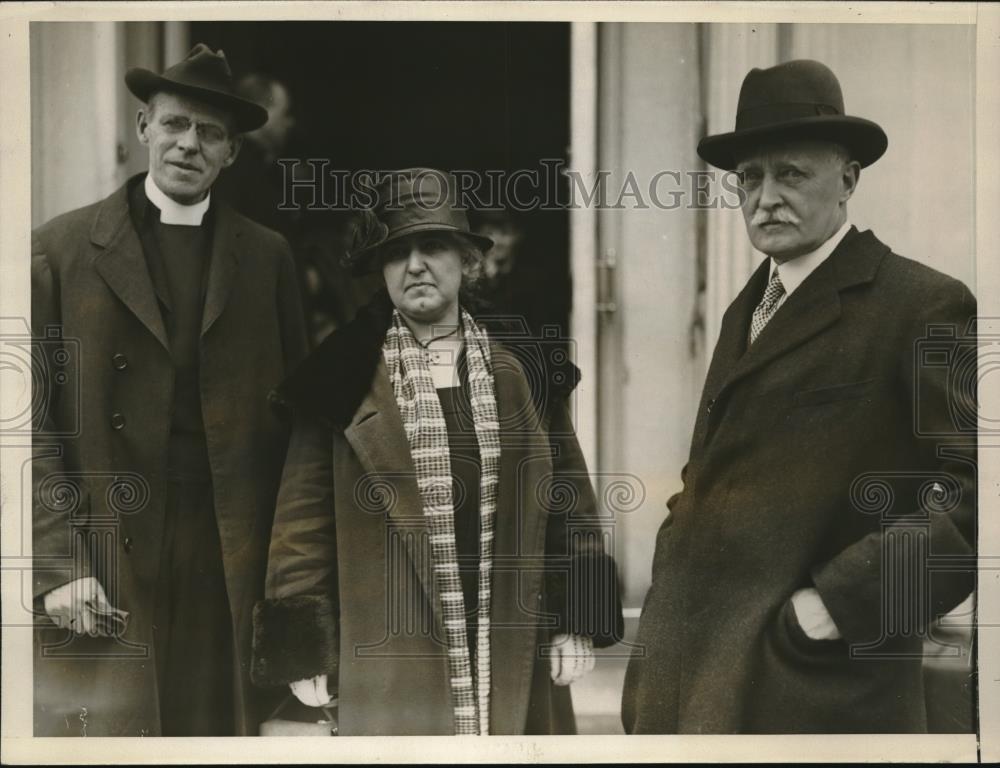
x,y
812,615
67,605
311,692
572,657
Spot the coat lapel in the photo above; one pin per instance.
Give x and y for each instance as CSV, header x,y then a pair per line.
x,y
808,311
519,545
377,436
814,307
732,343
222,270
122,264
522,446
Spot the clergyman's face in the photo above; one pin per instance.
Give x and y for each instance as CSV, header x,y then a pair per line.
x,y
189,142
795,196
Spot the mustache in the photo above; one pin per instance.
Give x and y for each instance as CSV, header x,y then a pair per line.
x,y
778,215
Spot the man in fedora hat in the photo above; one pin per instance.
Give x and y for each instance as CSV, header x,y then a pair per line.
x,y
185,315
832,467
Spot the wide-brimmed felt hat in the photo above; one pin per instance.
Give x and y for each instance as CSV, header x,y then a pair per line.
x,y
205,75
409,201
798,99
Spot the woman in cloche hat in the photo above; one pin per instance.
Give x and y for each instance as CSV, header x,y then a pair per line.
x,y
436,561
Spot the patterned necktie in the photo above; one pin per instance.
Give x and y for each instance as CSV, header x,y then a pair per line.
x,y
768,304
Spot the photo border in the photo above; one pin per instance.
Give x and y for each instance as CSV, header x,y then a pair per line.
x,y
18,746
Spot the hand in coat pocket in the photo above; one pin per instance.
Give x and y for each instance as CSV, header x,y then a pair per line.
x,y
311,692
812,617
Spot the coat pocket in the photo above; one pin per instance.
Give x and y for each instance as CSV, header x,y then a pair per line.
x,y
798,638
849,391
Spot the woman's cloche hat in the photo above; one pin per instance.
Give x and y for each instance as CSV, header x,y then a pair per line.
x,y
205,75
409,201
796,100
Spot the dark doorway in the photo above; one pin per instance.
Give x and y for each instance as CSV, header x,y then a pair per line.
x,y
457,96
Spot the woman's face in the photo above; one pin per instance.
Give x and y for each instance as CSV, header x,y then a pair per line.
x,y
423,273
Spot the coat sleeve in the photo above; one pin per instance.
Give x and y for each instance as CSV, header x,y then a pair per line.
x,y
294,339
852,584
581,586
56,497
295,626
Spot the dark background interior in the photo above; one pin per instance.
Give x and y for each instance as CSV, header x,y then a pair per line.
x,y
387,95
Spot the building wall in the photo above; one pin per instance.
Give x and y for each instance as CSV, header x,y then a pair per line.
x,y
649,372
83,139
918,82
75,126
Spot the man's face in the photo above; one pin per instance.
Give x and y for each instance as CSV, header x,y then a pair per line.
x,y
795,196
189,143
280,120
500,258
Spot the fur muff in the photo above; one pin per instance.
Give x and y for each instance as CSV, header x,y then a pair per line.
x,y
584,596
294,638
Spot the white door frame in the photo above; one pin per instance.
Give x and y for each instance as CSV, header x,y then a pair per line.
x,y
583,232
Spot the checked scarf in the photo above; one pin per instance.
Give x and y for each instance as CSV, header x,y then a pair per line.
x,y
427,433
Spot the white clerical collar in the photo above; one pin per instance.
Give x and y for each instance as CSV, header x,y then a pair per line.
x,y
172,212
794,271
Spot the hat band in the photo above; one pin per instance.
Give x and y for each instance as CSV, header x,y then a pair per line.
x,y
412,215
206,83
765,115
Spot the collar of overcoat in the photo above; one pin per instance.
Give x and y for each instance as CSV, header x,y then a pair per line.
x,y
334,380
123,266
812,308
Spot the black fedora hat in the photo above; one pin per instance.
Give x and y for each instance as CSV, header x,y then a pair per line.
x,y
408,201
797,99
204,74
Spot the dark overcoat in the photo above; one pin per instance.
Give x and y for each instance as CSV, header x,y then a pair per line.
x,y
101,440
350,587
834,453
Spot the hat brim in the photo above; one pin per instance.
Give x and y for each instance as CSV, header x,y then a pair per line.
x,y
865,140
247,115
360,261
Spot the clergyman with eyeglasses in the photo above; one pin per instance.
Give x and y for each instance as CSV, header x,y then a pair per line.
x,y
185,315
829,500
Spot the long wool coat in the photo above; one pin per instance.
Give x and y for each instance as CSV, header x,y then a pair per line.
x,y
813,451
104,431
350,587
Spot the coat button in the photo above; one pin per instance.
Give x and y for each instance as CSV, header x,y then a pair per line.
x,y
708,409
117,420
119,361
127,544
